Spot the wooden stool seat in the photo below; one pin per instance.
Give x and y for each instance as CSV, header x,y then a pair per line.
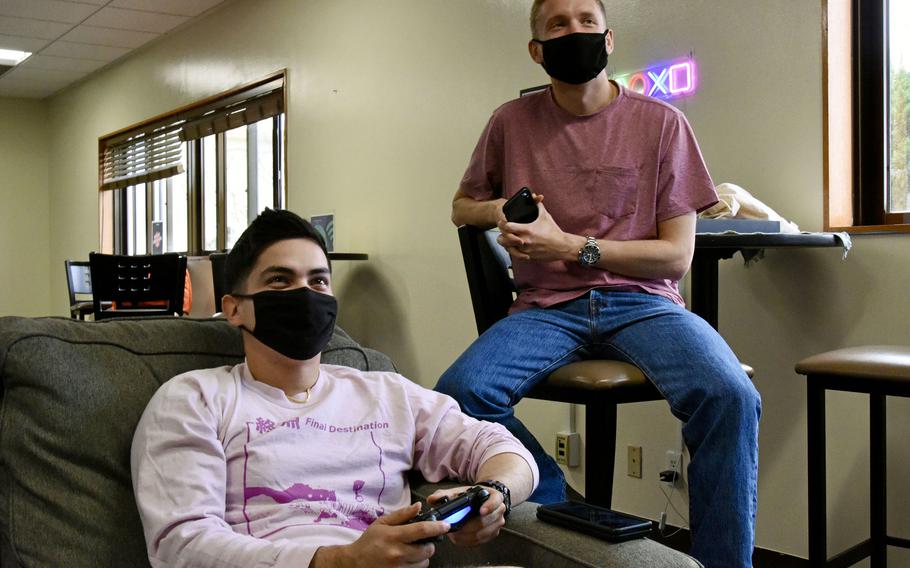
x,y
879,371
580,379
886,363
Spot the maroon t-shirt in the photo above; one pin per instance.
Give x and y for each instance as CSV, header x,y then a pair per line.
x,y
611,175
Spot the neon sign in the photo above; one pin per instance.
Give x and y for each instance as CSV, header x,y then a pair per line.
x,y
666,81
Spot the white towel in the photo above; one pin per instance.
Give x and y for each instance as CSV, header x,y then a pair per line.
x,y
737,203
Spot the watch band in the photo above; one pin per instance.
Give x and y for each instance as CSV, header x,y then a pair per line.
x,y
501,487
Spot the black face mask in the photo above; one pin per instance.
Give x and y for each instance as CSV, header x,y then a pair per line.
x,y
297,323
575,58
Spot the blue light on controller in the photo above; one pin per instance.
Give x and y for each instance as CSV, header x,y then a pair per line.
x,y
457,515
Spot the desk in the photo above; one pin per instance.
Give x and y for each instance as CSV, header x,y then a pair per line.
x,y
711,248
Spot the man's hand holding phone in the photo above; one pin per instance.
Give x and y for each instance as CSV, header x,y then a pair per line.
x,y
540,239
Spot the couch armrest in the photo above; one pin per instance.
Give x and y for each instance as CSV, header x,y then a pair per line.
x,y
527,541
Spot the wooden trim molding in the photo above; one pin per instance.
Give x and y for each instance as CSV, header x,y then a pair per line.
x,y
851,132
837,106
870,229
281,74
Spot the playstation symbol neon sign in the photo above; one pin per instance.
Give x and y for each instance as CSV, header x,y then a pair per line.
x,y
666,81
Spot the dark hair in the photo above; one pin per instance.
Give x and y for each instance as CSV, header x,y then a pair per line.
x,y
269,227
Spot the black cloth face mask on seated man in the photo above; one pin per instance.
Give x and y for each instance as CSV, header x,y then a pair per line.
x,y
297,323
575,58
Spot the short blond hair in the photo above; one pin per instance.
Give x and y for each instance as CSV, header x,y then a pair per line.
x,y
535,13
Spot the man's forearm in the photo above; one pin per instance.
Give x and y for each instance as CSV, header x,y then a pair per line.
x,y
469,211
651,259
668,256
513,471
329,557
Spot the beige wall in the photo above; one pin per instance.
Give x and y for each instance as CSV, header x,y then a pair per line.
x,y
24,232
758,118
387,100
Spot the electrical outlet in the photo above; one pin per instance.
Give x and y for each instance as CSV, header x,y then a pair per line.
x,y
672,473
635,461
673,462
568,448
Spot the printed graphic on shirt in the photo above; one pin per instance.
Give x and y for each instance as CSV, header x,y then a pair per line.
x,y
354,504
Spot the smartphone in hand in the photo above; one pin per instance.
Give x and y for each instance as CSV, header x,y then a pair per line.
x,y
521,207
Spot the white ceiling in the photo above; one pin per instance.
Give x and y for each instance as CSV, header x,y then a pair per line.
x,y
70,39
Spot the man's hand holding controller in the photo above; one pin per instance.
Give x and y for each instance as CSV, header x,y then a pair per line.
x,y
490,518
457,511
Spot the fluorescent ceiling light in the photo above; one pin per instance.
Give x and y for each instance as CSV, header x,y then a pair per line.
x,y
13,57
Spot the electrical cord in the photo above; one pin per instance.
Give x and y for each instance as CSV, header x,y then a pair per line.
x,y
669,496
663,514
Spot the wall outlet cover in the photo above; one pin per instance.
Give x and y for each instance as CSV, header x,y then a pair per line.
x,y
634,461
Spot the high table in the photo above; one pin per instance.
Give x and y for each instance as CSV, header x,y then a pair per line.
x,y
711,248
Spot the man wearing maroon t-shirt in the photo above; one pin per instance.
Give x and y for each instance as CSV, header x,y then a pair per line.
x,y
618,179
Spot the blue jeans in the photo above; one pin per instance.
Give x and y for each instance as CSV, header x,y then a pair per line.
x,y
679,352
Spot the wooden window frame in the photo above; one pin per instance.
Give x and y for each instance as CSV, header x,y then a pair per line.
x,y
855,91
113,203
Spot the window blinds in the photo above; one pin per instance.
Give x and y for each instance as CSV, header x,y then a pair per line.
x,y
142,158
154,150
261,103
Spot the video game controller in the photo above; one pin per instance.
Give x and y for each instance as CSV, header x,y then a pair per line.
x,y
456,511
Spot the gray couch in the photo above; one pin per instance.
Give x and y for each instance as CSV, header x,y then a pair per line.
x,y
72,393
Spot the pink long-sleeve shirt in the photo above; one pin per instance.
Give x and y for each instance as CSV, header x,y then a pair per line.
x,y
228,471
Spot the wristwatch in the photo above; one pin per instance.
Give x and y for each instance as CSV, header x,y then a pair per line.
x,y
590,253
501,487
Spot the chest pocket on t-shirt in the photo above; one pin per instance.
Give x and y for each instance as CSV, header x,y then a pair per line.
x,y
614,191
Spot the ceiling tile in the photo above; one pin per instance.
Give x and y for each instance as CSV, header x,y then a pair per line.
x,y
22,43
32,28
95,2
179,7
47,10
53,62
134,20
83,51
108,36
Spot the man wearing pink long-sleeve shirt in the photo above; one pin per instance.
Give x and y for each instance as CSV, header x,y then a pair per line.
x,y
282,461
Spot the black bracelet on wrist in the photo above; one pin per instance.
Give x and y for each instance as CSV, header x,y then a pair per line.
x,y
501,487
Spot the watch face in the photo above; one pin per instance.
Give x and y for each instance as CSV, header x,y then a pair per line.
x,y
590,254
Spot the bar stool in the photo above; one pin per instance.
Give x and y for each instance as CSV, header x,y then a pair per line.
x,y
599,385
878,371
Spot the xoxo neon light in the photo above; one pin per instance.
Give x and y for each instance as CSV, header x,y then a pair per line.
x,y
667,81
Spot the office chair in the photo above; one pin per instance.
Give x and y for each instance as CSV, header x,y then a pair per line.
x,y
599,385
146,285
217,259
79,286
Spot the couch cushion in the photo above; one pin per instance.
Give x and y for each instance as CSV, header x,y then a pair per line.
x,y
72,393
